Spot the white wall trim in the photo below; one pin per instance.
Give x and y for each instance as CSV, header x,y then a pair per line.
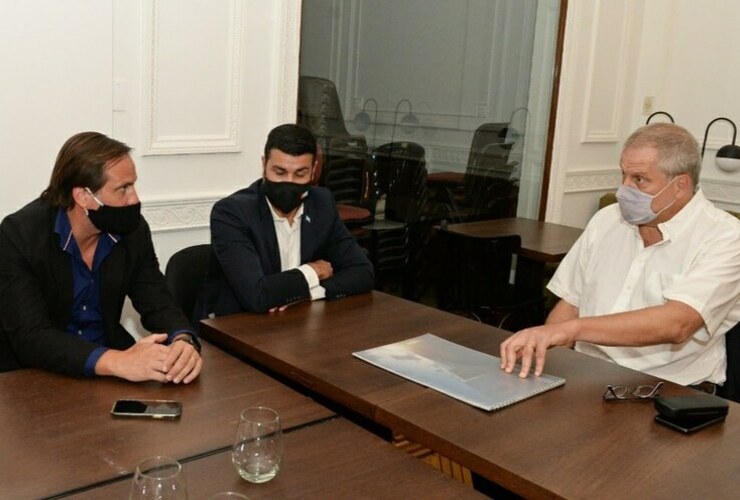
x,y
179,214
440,154
290,44
591,180
155,143
722,191
611,133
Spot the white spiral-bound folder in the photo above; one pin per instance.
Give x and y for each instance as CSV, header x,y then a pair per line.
x,y
465,374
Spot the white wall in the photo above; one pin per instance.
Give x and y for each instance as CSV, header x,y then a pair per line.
x,y
55,80
192,85
680,52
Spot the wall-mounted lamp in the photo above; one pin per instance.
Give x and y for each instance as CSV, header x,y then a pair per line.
x,y
510,130
409,122
647,122
362,119
728,157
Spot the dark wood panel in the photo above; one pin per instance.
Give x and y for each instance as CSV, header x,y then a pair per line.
x,y
332,459
56,432
566,442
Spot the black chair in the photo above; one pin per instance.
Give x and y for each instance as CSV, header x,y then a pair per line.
x,y
487,189
345,169
185,273
396,250
731,388
399,175
319,109
474,280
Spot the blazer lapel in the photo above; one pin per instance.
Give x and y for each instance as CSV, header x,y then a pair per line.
x,y
267,227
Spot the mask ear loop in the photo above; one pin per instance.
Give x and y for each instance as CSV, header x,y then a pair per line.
x,y
659,193
103,204
87,212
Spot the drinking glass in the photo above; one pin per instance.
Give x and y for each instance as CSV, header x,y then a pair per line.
x,y
258,449
228,495
158,478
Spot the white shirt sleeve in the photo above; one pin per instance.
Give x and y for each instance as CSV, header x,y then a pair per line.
x,y
317,291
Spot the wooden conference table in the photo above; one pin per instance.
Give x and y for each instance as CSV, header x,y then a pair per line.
x,y
564,443
542,242
331,459
57,434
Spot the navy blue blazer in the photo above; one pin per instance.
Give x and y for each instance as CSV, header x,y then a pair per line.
x,y
244,272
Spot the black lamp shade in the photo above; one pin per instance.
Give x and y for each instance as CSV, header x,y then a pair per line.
x,y
409,123
362,120
728,158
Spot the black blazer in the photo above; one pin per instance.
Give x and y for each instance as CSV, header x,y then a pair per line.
x,y
36,293
244,272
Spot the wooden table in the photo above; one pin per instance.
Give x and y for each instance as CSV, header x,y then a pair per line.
x,y
57,434
563,443
332,459
542,243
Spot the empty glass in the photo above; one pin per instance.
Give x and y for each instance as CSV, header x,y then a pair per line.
x,y
258,449
158,478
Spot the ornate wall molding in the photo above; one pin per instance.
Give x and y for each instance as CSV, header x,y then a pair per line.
x,y
606,72
591,180
449,155
290,43
197,141
179,214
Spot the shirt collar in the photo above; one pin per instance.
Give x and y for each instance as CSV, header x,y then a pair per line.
x,y
63,228
682,220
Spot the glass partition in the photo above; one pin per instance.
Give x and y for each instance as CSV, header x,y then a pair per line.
x,y
460,87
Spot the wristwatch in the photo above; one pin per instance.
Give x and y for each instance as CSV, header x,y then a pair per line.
x,y
190,339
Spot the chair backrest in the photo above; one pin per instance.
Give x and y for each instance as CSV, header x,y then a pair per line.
x,y
347,178
344,167
319,108
731,388
476,271
489,191
185,274
485,135
399,173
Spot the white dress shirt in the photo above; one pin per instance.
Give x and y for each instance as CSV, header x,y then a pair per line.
x,y
609,270
289,243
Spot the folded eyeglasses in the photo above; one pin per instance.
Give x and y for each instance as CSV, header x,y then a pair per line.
x,y
624,392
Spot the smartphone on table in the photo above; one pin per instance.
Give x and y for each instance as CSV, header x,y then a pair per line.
x,y
147,408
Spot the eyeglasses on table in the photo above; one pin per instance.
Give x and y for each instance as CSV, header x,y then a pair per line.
x,y
625,392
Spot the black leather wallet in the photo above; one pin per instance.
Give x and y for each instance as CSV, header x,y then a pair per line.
x,y
690,413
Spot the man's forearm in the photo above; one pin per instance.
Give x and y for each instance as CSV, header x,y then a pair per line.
x,y
563,311
671,323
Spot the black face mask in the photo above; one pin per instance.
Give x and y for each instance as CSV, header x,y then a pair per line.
x,y
116,220
285,196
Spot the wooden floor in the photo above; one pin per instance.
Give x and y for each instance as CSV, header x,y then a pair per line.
x,y
442,464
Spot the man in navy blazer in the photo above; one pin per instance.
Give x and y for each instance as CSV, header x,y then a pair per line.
x,y
280,240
